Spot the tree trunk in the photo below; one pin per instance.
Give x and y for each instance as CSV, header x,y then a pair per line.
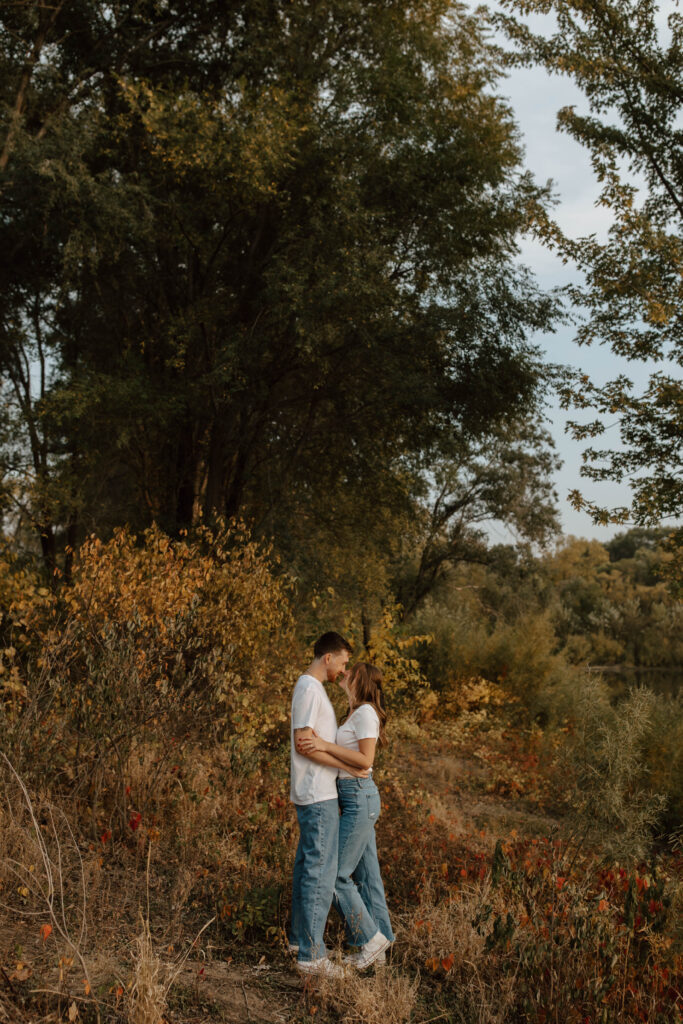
x,y
71,538
48,547
24,81
215,471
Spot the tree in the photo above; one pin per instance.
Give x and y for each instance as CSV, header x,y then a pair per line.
x,y
394,539
633,81
505,478
271,249
626,545
611,605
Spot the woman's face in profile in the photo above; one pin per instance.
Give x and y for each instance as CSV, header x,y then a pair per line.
x,y
344,680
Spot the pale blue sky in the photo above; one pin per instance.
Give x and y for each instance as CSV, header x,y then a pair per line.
x,y
535,98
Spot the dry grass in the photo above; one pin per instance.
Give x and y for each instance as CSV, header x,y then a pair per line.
x,y
443,934
147,1000
219,839
389,995
43,868
439,928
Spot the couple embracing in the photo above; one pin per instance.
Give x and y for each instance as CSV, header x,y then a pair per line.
x,y
337,805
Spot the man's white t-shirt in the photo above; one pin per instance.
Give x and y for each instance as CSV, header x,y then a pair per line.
x,y
362,724
311,782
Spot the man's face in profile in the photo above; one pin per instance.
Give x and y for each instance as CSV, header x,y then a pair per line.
x,y
336,664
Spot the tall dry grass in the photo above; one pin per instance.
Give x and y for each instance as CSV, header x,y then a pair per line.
x,y
151,794
388,995
442,936
147,997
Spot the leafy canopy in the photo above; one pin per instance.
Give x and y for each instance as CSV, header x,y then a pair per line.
x,y
631,71
262,254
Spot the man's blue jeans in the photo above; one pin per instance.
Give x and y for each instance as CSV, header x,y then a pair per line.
x,y
315,870
358,890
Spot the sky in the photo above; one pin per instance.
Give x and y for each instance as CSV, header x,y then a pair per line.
x,y
535,98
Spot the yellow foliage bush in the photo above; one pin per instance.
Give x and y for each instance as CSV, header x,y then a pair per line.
x,y
394,651
22,599
205,613
156,642
212,601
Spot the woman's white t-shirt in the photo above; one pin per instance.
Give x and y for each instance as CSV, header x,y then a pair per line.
x,y
362,724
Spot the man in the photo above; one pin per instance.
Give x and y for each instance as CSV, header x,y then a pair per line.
x,y
314,793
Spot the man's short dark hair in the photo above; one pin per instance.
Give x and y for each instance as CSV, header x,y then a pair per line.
x,y
331,643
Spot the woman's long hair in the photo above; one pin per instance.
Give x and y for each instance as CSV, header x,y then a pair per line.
x,y
365,687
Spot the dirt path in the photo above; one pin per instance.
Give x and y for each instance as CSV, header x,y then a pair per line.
x,y
235,994
202,991
471,794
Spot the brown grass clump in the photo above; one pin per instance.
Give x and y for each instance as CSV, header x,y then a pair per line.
x,y
436,929
42,871
443,936
389,995
148,991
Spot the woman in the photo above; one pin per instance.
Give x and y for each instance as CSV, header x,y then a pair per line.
x,y
359,893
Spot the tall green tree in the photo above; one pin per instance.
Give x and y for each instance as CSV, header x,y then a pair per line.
x,y
270,248
631,72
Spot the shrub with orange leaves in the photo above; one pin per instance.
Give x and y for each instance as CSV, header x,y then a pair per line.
x,y
155,642
209,608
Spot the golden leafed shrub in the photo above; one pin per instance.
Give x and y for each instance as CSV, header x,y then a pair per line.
x,y
23,599
155,643
204,616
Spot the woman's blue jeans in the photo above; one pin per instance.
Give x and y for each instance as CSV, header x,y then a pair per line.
x,y
358,890
315,867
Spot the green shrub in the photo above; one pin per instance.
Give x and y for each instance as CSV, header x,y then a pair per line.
x,y
520,655
663,754
617,788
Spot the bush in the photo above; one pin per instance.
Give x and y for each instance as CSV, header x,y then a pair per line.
x,y
662,751
519,655
621,762
156,643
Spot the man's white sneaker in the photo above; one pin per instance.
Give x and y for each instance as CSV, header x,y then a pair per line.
x,y
370,952
322,968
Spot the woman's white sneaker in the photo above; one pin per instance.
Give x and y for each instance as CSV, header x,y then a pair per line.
x,y
370,953
322,968
351,959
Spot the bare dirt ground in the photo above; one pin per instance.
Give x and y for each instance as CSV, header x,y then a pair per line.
x,y
202,991
265,993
